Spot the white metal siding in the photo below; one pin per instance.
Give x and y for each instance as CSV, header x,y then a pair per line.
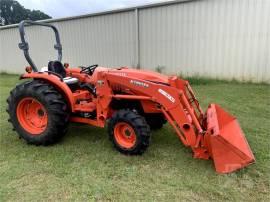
x,y
41,48
214,38
107,40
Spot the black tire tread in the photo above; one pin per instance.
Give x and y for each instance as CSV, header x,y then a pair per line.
x,y
55,105
155,121
140,126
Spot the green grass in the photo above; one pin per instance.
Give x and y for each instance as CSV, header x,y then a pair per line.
x,y
85,166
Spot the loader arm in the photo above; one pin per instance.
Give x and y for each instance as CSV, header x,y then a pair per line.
x,y
172,101
214,134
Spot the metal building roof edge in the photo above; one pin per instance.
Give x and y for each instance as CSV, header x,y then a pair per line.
x,y
106,12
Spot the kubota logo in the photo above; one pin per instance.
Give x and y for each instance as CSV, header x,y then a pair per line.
x,y
167,95
139,83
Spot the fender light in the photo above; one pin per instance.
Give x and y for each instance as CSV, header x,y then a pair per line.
x,y
28,69
66,65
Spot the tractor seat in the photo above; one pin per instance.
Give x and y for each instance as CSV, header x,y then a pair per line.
x,y
57,67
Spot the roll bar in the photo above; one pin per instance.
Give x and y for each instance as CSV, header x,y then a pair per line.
x,y
25,47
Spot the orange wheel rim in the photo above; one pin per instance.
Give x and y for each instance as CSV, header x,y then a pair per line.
x,y
32,116
124,135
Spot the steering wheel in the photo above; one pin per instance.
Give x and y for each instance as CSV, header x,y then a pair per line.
x,y
89,70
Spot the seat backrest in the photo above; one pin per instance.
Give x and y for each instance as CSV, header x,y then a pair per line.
x,y
57,67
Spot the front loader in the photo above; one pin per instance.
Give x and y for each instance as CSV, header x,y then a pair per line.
x,y
132,102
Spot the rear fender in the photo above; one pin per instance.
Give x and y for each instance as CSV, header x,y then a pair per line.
x,y
57,83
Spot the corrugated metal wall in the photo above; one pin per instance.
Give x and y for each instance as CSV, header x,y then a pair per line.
x,y
214,38
107,40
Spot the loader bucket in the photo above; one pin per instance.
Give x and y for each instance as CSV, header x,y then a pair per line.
x,y
226,141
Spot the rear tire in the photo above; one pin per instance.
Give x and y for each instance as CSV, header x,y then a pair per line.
x,y
38,112
129,132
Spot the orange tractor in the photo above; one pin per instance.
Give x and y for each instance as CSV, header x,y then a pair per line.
x,y
131,101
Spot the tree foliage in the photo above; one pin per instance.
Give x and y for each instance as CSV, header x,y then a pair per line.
x,y
12,12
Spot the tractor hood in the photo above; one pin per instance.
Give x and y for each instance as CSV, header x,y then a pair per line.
x,y
142,74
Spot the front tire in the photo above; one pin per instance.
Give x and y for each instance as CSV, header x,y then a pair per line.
x,y
38,112
129,132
